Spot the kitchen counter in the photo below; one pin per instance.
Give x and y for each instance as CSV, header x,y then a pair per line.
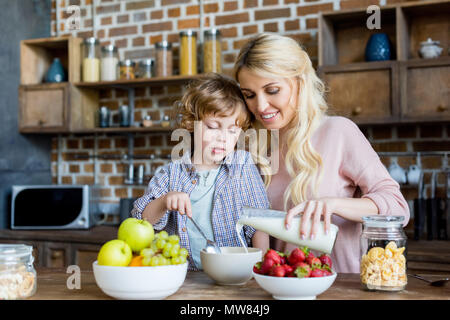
x,y
198,286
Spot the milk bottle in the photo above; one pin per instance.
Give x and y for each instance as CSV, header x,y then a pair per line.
x,y
272,223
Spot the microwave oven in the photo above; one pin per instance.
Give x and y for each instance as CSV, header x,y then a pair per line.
x,y
53,206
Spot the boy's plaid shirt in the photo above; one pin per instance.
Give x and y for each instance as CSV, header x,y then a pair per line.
x,y
238,184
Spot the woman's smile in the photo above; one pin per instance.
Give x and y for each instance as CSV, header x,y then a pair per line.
x,y
268,99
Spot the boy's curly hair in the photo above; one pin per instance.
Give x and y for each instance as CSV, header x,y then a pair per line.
x,y
212,94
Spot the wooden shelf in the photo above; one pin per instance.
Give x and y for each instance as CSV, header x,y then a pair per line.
x,y
125,84
404,89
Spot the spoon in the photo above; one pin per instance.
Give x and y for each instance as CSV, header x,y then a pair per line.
x,y
436,283
211,246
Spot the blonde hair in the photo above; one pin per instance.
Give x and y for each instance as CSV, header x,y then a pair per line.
x,y
275,56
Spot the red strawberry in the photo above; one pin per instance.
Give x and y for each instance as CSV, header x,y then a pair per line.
x,y
310,257
266,265
315,263
283,259
272,254
303,270
289,270
326,272
298,255
257,268
278,271
326,259
316,272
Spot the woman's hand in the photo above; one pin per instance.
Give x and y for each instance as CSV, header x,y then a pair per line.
x,y
178,201
315,210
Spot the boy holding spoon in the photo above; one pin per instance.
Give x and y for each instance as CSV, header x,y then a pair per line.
x,y
214,181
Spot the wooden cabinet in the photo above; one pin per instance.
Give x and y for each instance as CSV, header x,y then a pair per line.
x,y
43,107
53,107
365,93
403,89
56,107
425,90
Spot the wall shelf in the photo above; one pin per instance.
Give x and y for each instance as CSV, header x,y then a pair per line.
x,y
405,89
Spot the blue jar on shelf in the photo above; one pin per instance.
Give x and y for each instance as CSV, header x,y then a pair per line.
x,y
378,48
56,72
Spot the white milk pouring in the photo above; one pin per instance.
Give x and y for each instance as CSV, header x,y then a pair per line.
x,y
272,223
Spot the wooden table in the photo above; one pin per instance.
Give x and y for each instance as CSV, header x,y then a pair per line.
x,y
52,285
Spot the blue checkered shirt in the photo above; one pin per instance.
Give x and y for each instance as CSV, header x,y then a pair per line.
x,y
238,184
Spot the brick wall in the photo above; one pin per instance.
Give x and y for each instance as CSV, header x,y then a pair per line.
x,y
134,26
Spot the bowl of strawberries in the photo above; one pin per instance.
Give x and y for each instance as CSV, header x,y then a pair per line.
x,y
299,275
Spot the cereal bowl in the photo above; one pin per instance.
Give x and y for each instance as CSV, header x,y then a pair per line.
x,y
233,266
290,288
143,283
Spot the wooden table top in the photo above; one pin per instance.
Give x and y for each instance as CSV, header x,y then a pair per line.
x,y
52,285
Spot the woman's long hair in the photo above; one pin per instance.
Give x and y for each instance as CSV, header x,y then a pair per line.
x,y
274,56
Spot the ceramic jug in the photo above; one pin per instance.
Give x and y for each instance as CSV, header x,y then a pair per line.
x,y
56,72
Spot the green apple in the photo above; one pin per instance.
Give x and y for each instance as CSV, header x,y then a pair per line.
x,y
137,233
115,253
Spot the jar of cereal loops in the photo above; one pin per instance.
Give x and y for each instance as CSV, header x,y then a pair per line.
x,y
17,274
383,253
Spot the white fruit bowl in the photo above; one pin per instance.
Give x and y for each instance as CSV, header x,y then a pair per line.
x,y
289,288
233,266
143,283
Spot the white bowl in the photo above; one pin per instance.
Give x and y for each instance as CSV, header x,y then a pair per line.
x,y
289,288
231,267
143,283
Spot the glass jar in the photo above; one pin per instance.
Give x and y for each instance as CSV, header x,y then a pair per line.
x,y
91,60
383,253
165,122
109,63
127,69
188,52
212,51
145,69
164,57
17,274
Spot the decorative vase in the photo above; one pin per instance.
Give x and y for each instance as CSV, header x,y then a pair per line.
x,y
378,48
56,72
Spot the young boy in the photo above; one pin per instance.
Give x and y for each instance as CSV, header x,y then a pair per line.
x,y
211,191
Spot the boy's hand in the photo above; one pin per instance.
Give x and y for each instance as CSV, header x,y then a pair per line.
x,y
178,201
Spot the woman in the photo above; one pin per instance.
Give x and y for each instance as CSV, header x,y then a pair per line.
x,y
327,169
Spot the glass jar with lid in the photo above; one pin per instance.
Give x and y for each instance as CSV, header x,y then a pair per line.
x,y
383,253
17,273
145,69
212,52
109,63
127,69
188,52
164,59
91,60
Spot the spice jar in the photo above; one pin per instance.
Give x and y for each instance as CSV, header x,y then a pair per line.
x,y
212,52
164,57
145,69
383,248
109,63
147,121
126,69
91,60
165,122
17,274
188,52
